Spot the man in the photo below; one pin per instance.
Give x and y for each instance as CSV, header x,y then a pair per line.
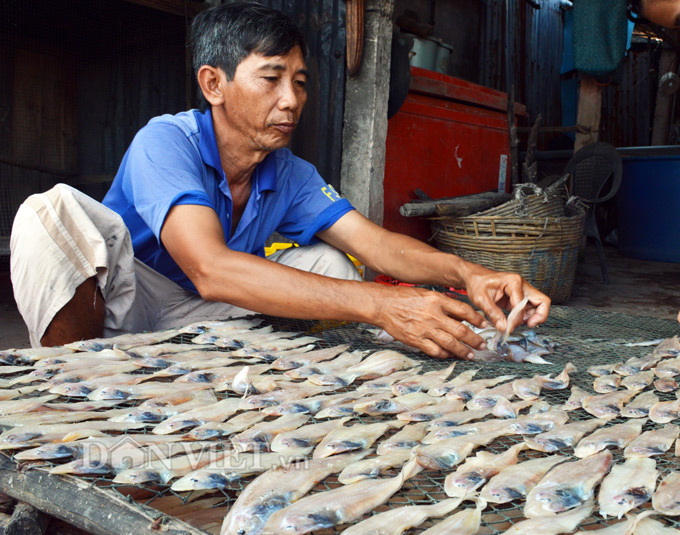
x,y
201,192
662,12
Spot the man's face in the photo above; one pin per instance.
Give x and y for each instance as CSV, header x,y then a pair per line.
x,y
264,101
662,12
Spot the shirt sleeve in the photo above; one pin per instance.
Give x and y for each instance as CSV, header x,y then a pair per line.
x,y
315,205
163,169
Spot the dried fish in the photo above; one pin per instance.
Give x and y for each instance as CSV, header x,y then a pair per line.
x,y
567,485
384,383
396,521
490,396
306,436
455,419
653,442
214,325
668,368
238,423
637,364
29,356
336,506
233,467
565,522
650,526
373,466
468,390
666,384
278,397
355,437
260,435
627,527
598,370
666,499
575,401
465,522
619,436
640,406
670,347
487,426
264,349
607,406
315,404
665,411
123,342
405,439
515,481
445,388
141,391
299,360
447,453
606,383
628,485
396,405
216,412
638,381
538,422
431,412
476,470
422,382
565,436
30,436
277,488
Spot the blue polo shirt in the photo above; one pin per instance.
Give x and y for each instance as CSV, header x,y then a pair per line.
x,y
174,160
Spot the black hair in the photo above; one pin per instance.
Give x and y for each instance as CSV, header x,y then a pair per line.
x,y
634,9
223,36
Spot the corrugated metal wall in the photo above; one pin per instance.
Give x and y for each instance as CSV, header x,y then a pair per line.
x,y
522,46
318,138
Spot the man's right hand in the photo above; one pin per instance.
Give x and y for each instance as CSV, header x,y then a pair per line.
x,y
430,321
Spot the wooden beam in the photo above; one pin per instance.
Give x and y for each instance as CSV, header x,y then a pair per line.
x,y
589,111
664,100
26,520
182,8
85,506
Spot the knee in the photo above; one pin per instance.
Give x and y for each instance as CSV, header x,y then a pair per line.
x,y
334,263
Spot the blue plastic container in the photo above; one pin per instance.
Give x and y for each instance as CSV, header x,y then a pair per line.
x,y
648,204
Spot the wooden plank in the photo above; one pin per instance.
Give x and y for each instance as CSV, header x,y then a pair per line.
x,y
589,111
26,520
455,206
85,506
664,101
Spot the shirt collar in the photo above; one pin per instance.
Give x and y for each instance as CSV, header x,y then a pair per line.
x,y
265,174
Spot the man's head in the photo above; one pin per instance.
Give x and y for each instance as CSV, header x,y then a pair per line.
x,y
225,35
662,12
250,66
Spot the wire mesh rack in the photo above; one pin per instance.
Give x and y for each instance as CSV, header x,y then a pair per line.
x,y
583,337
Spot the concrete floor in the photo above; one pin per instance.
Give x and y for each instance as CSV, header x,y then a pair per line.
x,y
636,287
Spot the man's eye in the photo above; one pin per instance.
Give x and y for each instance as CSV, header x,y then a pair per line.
x,y
301,83
271,78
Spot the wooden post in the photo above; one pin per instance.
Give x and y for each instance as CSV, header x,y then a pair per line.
x,y
664,100
589,111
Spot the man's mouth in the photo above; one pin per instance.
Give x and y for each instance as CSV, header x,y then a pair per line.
x,y
285,127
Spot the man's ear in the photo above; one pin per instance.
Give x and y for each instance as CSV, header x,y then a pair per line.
x,y
210,81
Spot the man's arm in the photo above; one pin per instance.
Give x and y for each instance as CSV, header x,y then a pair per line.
x,y
429,321
411,260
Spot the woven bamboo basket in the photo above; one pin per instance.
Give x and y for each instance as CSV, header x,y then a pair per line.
x,y
536,235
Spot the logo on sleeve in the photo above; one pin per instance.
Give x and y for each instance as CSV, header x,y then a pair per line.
x,y
329,191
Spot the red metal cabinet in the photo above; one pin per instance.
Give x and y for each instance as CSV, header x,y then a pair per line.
x,y
449,138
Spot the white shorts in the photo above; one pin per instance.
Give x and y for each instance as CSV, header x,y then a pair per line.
x,y
62,237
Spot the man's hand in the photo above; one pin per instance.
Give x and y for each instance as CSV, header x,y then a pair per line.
x,y
493,291
430,321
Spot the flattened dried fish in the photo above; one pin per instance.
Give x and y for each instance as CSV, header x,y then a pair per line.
x,y
123,342
422,382
670,347
575,401
31,355
384,383
619,436
337,506
607,406
445,388
638,381
668,368
396,405
238,423
465,522
565,436
650,526
405,439
666,384
216,412
665,411
515,481
299,360
666,499
653,442
373,466
628,485
538,422
277,488
560,523
398,520
606,383
490,396
432,412
598,370
468,390
640,406
355,437
447,453
487,426
260,435
567,485
476,470
314,404
306,436
233,467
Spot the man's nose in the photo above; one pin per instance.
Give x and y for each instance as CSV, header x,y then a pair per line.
x,y
292,97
